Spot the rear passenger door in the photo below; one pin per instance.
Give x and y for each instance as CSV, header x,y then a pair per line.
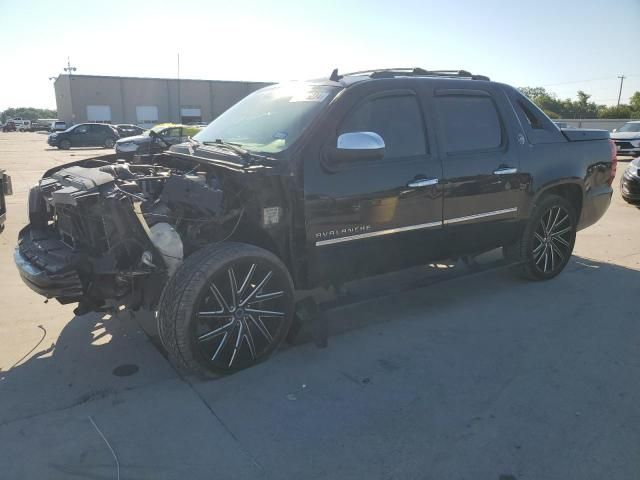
x,y
480,159
99,133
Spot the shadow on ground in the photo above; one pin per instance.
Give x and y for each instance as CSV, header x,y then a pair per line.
x,y
99,354
95,356
479,376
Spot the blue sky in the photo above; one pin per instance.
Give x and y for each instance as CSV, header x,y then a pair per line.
x,y
565,45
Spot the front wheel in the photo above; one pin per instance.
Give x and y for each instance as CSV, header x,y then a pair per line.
x,y
547,242
64,145
227,307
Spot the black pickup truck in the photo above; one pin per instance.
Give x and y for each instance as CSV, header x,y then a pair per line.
x,y
312,184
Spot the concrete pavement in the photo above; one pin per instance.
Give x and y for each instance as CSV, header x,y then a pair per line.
x,y
469,376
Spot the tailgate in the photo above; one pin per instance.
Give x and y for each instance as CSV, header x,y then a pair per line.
x,y
581,135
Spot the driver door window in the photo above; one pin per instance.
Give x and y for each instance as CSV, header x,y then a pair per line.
x,y
171,135
397,119
80,136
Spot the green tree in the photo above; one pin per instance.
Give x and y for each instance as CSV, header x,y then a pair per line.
x,y
29,113
634,101
620,111
533,92
582,107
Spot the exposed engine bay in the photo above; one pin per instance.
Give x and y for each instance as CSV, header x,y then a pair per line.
x,y
102,230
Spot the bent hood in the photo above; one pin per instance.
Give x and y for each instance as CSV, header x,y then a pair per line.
x,y
137,139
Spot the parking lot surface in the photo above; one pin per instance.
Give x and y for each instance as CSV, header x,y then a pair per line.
x,y
452,374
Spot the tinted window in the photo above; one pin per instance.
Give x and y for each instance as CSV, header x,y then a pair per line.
x,y
396,119
469,123
532,119
171,132
81,129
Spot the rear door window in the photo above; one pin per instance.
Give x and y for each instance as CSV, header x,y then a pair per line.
x,y
537,126
469,123
397,119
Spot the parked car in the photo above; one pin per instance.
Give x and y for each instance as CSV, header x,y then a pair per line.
x,y
39,127
9,127
58,126
156,140
127,130
310,184
630,183
5,189
627,138
85,135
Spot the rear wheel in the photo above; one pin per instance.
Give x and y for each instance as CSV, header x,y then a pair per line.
x,y
547,242
64,145
109,143
227,307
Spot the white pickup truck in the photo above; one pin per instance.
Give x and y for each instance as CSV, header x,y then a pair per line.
x,y
22,124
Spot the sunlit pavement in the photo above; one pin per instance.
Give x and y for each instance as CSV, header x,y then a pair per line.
x,y
466,375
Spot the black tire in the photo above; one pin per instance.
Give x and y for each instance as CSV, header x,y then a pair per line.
x,y
64,145
231,336
109,143
546,245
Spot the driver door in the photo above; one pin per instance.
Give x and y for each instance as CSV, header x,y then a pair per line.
x,y
169,136
80,136
370,216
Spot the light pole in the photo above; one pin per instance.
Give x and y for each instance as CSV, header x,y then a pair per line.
x,y
179,107
621,77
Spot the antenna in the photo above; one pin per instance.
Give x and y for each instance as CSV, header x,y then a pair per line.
x,y
69,68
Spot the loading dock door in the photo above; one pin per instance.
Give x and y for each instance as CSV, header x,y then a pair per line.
x,y
99,113
190,114
147,115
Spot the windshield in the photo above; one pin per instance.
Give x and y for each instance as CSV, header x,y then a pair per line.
x,y
630,127
271,119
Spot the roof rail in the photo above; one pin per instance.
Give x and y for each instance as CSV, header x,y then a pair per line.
x,y
411,72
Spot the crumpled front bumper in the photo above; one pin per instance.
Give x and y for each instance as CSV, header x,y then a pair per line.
x,y
46,266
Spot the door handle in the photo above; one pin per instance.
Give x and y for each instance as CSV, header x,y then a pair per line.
x,y
422,182
505,171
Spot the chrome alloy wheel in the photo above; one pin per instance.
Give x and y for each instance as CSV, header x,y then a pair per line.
x,y
552,242
239,315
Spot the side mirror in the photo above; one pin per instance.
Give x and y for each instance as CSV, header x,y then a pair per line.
x,y
358,146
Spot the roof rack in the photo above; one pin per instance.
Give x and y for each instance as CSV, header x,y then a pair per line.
x,y
409,72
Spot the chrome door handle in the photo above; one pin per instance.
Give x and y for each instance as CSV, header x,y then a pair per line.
x,y
422,182
505,171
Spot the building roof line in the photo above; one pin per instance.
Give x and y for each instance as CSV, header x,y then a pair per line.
x,y
162,78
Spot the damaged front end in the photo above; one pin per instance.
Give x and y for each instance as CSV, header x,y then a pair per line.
x,y
106,233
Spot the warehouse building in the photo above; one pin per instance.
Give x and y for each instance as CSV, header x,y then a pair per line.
x,y
145,101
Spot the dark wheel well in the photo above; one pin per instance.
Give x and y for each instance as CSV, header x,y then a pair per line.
x,y
571,192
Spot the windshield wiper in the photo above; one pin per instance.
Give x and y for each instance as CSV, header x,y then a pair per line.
x,y
241,152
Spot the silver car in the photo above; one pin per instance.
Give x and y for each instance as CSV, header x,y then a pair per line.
x,y
627,138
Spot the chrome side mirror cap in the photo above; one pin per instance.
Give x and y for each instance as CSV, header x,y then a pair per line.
x,y
358,146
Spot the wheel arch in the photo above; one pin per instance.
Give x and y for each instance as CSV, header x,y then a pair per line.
x,y
570,189
253,234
